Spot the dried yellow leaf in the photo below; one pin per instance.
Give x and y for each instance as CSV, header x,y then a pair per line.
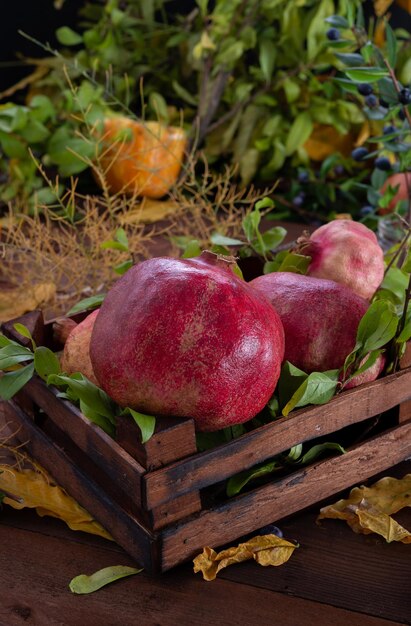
x,y
37,490
15,302
369,509
149,211
381,6
265,549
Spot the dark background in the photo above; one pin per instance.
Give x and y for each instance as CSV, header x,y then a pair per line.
x,y
39,19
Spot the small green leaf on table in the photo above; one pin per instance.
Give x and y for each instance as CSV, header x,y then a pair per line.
x,y
83,584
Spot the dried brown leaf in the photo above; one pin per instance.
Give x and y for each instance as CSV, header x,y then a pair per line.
x,y
35,489
265,549
369,509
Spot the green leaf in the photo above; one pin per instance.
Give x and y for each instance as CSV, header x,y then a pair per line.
x,y
250,224
185,95
350,58
24,332
88,584
405,334
88,304
297,263
12,382
13,354
221,240
295,453
269,240
122,268
94,416
369,361
113,245
338,21
236,483
377,327
317,450
87,392
299,132
290,380
46,362
192,249
391,44
395,281
268,52
146,424
265,203
387,90
366,74
68,37
317,388
121,237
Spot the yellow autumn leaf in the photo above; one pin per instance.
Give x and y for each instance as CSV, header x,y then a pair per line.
x,y
37,490
325,140
265,549
382,6
15,301
369,509
149,211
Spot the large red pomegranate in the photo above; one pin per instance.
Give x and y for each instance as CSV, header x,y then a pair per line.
x,y
348,253
76,357
320,319
186,337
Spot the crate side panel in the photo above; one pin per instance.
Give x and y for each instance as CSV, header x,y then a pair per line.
x,y
173,438
125,530
90,439
210,467
274,501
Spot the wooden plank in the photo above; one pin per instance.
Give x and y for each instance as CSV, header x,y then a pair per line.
x,y
90,438
34,322
212,466
142,545
174,438
404,413
264,505
34,590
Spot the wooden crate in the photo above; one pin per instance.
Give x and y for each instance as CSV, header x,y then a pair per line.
x,y
163,501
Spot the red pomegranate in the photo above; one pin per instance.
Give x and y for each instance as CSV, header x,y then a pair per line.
x,y
187,337
320,319
348,253
76,356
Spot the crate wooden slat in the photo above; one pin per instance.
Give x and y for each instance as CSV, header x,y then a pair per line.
x,y
162,501
261,506
204,469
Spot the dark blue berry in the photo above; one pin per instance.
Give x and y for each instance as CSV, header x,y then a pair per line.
x,y
365,89
303,177
389,129
339,170
366,210
401,114
405,96
333,34
271,530
359,154
382,163
371,101
384,103
299,200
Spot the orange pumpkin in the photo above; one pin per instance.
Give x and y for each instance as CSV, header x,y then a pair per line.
x,y
141,158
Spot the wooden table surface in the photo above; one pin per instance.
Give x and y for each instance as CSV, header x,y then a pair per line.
x,y
335,577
